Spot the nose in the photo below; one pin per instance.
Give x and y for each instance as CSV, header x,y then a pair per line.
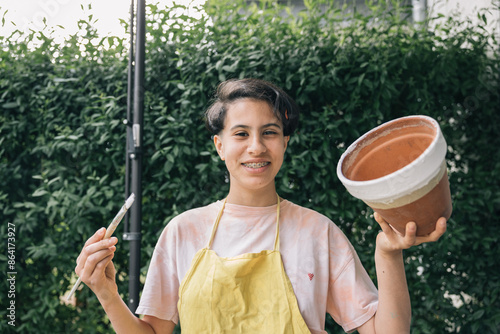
x,y
256,145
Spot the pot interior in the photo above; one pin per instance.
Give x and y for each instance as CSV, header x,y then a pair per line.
x,y
387,149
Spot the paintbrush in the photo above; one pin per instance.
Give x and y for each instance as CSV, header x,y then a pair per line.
x,y
109,231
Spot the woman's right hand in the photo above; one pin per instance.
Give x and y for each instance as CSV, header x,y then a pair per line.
x,y
95,268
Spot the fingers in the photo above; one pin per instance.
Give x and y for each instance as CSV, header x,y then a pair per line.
x,y
97,251
398,241
98,235
434,236
410,237
95,255
100,267
386,228
95,265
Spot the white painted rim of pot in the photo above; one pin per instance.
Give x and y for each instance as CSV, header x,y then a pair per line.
x,y
416,175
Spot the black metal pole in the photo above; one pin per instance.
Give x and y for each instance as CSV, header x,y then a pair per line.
x,y
129,145
136,158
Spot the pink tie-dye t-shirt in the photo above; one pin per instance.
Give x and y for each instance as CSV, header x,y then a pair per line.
x,y
325,272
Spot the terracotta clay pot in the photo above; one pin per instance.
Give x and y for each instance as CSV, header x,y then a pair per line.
x,y
399,170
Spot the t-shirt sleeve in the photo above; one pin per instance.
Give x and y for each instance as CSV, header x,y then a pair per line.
x,y
161,289
352,296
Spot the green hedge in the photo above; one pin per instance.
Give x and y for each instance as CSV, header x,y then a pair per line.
x,y
62,143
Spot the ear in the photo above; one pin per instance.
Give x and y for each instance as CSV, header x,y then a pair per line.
x,y
219,147
287,138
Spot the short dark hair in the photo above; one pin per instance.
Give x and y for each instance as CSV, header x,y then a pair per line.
x,y
283,106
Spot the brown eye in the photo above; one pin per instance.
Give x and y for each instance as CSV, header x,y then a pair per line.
x,y
270,132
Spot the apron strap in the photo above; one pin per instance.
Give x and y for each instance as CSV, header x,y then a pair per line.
x,y
277,240
216,224
217,220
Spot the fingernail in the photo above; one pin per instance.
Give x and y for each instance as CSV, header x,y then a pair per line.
x,y
101,230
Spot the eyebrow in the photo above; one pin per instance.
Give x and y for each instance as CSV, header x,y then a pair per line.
x,y
264,126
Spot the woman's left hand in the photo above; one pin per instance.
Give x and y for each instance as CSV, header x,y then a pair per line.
x,y
389,240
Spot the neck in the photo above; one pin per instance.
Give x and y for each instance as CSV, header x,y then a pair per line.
x,y
263,198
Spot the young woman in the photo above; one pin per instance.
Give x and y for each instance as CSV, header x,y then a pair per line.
x,y
254,262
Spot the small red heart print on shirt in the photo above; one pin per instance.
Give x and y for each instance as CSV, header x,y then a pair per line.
x,y
310,276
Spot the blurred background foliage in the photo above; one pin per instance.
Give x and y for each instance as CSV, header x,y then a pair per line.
x,y
62,142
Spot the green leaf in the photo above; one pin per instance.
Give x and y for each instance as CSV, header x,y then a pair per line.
x,y
10,105
39,192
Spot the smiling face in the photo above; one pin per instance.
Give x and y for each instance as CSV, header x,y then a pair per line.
x,y
252,145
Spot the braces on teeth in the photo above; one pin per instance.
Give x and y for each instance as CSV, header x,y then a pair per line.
x,y
257,164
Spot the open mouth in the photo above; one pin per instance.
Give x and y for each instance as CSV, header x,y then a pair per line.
x,y
256,164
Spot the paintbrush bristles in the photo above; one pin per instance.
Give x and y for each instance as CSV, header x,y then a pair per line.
x,y
130,201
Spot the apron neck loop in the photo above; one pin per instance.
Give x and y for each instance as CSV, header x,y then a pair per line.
x,y
217,220
277,240
216,223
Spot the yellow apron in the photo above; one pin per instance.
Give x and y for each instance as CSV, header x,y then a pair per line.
x,y
249,293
